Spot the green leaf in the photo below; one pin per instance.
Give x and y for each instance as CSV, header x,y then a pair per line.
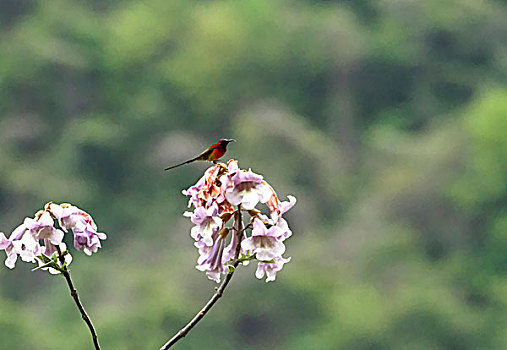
x,y
48,264
246,257
44,258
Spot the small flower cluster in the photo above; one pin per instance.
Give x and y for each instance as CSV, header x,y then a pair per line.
x,y
25,239
213,197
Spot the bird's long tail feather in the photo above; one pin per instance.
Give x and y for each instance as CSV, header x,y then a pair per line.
x,y
186,162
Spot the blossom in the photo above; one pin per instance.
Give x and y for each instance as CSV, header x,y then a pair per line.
x,y
86,237
281,224
88,240
4,242
245,188
21,243
206,221
230,250
206,189
284,227
193,192
264,242
278,208
25,240
210,259
42,227
12,256
213,197
270,269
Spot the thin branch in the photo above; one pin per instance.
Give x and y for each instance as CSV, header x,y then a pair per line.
x,y
183,332
73,293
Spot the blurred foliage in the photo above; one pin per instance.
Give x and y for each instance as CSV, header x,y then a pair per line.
x,y
387,120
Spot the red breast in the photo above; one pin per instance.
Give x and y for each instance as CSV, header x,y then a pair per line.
x,y
218,152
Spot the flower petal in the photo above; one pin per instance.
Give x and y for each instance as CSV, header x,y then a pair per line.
x,y
4,242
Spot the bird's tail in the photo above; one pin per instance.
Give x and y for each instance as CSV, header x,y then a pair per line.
x,y
177,165
199,157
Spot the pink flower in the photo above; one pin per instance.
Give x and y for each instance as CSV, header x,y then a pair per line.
x,y
246,188
207,222
86,237
264,242
214,197
193,192
278,208
210,259
208,191
4,242
21,243
25,239
230,250
270,269
285,231
42,227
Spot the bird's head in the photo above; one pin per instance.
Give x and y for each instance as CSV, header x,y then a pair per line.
x,y
225,142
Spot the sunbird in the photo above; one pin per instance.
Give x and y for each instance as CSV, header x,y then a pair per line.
x,y
211,154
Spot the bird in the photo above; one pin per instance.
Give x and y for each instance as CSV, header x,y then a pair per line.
x,y
211,154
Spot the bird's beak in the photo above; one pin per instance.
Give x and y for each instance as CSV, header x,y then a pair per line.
x,y
230,140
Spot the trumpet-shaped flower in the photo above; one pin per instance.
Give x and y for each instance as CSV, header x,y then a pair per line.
x,y
210,259
86,237
4,242
264,242
246,188
278,208
206,223
42,227
24,241
214,196
207,189
270,269
21,243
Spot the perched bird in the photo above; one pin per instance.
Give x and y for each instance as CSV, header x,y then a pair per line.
x,y
212,154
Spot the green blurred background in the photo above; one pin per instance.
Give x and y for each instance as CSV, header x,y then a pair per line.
x,y
386,119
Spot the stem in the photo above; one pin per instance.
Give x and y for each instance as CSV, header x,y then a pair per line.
x,y
183,332
73,293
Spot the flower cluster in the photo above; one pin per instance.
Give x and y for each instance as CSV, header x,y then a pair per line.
x,y
214,198
25,240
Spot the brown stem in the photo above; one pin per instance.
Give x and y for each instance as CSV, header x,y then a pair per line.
x,y
73,293
183,332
